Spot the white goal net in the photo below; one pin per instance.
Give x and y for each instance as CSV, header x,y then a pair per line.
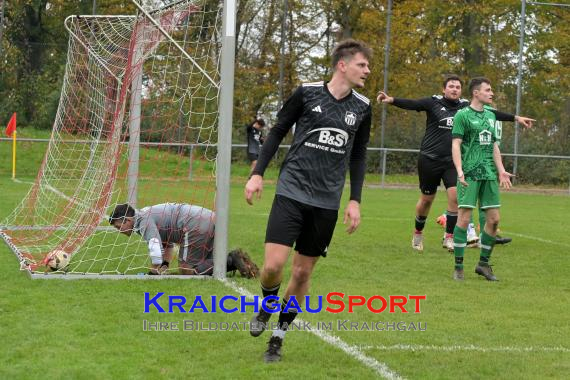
x,y
137,122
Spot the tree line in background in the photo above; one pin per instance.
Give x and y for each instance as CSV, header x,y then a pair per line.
x,y
429,38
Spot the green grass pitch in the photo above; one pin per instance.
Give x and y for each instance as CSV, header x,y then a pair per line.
x,y
516,328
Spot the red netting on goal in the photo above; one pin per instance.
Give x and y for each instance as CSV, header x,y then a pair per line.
x,y
137,122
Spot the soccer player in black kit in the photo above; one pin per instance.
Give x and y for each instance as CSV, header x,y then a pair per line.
x,y
331,134
435,163
254,140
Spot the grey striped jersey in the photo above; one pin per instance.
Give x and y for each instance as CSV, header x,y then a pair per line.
x,y
168,222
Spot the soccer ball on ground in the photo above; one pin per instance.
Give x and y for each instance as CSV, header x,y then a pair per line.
x,y
58,260
441,220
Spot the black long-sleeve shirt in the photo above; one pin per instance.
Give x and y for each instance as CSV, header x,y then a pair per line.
x,y
436,143
330,135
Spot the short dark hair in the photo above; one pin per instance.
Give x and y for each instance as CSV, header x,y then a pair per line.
x,y
449,78
259,121
121,211
476,83
348,49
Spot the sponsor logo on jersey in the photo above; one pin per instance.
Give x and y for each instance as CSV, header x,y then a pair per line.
x,y
317,109
485,137
350,118
446,123
331,136
330,140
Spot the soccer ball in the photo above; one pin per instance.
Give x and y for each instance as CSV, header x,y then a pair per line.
x,y
58,260
441,220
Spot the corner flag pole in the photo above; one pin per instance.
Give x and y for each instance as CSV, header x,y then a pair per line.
x,y
14,155
11,132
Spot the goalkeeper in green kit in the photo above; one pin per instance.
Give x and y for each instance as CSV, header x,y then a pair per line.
x,y
480,171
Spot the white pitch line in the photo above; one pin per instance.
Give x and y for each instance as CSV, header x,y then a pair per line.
x,y
537,239
455,348
352,350
20,181
62,195
56,191
49,187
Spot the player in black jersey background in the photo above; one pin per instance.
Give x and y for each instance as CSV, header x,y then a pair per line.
x,y
435,163
332,130
254,132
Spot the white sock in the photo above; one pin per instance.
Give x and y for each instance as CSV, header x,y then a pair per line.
x,y
280,333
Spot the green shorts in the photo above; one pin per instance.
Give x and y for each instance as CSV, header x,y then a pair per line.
x,y
484,191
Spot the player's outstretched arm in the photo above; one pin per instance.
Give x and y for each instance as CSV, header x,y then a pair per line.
x,y
253,186
524,121
352,216
423,104
504,176
384,98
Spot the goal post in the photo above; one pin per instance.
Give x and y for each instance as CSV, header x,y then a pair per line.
x,y
141,107
225,138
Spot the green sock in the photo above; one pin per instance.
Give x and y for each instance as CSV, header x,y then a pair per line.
x,y
487,243
482,219
459,243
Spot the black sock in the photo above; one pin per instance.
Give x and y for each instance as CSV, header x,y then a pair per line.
x,y
451,221
285,319
420,222
271,291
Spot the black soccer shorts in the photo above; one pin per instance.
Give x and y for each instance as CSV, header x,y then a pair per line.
x,y
432,172
310,227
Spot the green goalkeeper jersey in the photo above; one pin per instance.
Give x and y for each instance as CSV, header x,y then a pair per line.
x,y
477,130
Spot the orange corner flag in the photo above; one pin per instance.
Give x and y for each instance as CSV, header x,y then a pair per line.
x,y
11,128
